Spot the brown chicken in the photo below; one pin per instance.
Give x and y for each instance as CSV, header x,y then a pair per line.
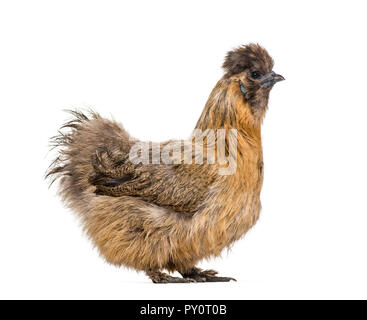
x,y
152,214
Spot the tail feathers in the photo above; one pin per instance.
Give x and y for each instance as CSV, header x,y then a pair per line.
x,y
77,142
63,141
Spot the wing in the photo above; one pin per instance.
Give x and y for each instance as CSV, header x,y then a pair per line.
x,y
182,188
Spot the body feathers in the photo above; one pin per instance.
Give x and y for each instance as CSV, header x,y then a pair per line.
x,y
162,216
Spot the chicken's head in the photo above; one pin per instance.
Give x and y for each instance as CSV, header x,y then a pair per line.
x,y
252,67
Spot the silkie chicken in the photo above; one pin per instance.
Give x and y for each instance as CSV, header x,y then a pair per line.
x,y
168,216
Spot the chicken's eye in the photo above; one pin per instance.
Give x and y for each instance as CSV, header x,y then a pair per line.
x,y
255,75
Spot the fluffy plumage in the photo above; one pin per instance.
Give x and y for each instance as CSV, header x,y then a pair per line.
x,y
152,217
252,56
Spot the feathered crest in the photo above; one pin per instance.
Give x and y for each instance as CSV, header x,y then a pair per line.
x,y
246,57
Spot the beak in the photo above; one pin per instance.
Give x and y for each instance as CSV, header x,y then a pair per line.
x,y
270,79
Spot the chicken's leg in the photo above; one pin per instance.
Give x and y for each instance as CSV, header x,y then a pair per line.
x,y
161,277
200,275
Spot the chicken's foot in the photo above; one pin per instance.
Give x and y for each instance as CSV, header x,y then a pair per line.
x,y
161,277
200,275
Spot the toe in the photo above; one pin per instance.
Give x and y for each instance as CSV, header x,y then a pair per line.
x,y
219,279
190,280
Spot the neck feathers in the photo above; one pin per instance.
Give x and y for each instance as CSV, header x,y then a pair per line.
x,y
227,109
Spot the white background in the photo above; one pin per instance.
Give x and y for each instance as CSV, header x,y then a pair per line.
x,y
152,65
